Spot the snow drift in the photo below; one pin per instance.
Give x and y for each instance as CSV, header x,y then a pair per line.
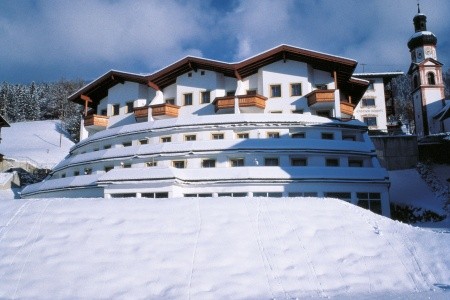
x,y
205,248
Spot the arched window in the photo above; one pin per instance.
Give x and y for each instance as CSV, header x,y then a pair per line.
x,y
431,79
415,81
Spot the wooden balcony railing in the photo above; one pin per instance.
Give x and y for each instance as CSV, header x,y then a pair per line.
x,y
320,97
165,110
98,121
247,103
257,101
224,103
347,108
141,112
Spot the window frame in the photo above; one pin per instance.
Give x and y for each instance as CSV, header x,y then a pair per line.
x,y
129,107
364,104
188,99
219,135
202,97
242,135
181,164
273,92
332,162
190,137
115,109
271,159
209,163
240,162
292,85
165,139
276,135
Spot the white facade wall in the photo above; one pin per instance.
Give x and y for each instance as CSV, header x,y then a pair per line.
x,y
378,110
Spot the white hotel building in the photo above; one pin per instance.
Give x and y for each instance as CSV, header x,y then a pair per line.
x,y
279,124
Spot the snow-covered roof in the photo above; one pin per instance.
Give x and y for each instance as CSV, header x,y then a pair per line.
x,y
378,74
221,119
259,173
67,182
241,145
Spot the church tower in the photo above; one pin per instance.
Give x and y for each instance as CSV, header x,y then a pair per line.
x,y
427,81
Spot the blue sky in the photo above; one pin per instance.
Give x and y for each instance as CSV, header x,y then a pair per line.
x,y
50,40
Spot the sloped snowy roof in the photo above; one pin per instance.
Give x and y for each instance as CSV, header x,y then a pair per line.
x,y
247,173
68,182
221,119
174,148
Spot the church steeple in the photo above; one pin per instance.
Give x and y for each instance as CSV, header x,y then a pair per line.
x,y
421,39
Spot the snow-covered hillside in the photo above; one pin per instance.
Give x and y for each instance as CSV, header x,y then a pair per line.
x,y
42,143
222,248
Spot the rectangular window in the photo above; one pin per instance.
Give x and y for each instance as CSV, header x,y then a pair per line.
x,y
143,142
237,162
126,144
271,161
217,136
76,173
209,163
349,138
297,111
298,162
370,121
298,135
275,194
179,164
251,92
327,136
206,97
108,168
116,108
230,93
103,112
162,195
275,90
332,162
190,137
123,195
296,89
166,139
63,175
273,135
355,163
130,106
371,85
276,112
107,147
339,195
151,164
321,86
367,102
126,166
170,101
371,201
243,135
188,99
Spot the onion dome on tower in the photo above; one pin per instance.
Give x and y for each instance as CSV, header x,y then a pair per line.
x,y
421,36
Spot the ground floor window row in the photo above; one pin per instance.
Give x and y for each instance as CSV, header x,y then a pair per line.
x,y
370,201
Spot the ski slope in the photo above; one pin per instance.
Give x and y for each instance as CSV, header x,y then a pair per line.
x,y
215,248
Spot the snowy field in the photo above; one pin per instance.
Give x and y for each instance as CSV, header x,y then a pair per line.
x,y
42,143
215,248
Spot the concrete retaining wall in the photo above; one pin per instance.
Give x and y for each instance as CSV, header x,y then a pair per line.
x,y
396,152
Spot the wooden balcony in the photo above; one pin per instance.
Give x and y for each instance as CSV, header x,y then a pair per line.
x,y
347,108
141,113
164,111
96,122
247,104
224,104
320,98
252,103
